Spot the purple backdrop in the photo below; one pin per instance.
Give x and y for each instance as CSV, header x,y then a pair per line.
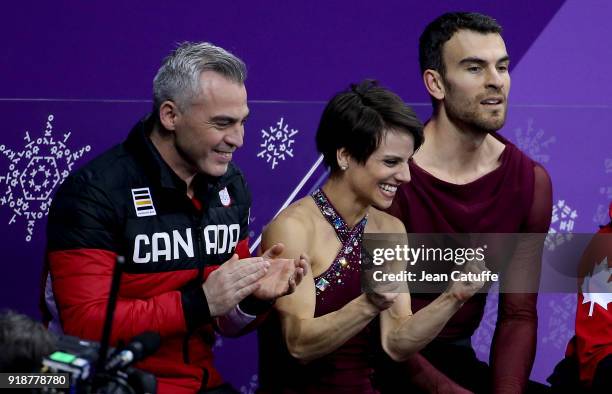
x,y
89,69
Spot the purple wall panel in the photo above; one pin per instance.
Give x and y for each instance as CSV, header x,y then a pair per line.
x,y
568,64
295,50
92,66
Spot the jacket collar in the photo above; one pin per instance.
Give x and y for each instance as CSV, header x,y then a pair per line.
x,y
140,145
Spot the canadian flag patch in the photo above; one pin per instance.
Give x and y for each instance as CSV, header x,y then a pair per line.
x,y
225,198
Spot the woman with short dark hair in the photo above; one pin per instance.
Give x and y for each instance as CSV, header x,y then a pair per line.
x,y
320,337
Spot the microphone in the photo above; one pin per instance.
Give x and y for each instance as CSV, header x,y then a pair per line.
x,y
139,347
110,312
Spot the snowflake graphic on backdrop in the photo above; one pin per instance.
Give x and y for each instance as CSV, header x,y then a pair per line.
x,y
608,165
601,215
251,386
561,225
560,325
34,172
597,288
483,336
533,142
277,144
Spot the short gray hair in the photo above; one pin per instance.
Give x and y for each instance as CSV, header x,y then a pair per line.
x,y
178,79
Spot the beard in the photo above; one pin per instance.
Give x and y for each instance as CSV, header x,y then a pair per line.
x,y
469,113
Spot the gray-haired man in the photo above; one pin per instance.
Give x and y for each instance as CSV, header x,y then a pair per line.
x,y
170,200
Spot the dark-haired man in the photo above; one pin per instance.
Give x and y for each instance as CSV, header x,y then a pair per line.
x,y
466,178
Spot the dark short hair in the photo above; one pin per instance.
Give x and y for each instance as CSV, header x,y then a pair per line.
x,y
24,343
443,28
357,118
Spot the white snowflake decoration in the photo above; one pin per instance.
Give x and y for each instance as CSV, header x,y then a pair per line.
x,y
606,191
601,215
34,173
251,386
561,225
596,288
533,142
560,327
277,143
483,336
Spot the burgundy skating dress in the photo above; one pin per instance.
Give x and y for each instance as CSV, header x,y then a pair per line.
x,y
349,368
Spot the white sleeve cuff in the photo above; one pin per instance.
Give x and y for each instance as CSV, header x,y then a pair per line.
x,y
234,321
